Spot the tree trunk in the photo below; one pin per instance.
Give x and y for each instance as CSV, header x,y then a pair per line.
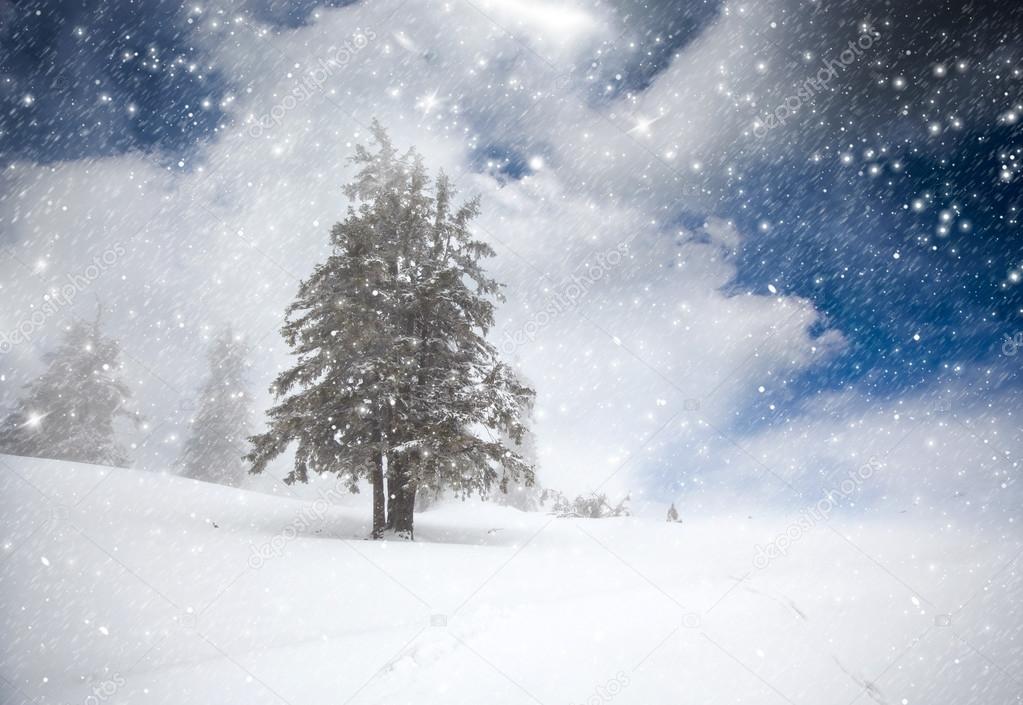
x,y
402,503
404,508
377,480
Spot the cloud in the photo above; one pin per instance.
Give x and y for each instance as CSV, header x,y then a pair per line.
x,y
723,233
545,23
949,451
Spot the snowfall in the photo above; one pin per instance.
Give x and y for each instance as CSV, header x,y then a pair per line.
x,y
125,586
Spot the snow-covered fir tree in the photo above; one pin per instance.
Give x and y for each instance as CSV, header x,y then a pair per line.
x,y
223,418
394,380
521,495
68,412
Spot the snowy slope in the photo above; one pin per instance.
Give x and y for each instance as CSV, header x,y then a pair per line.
x,y
122,586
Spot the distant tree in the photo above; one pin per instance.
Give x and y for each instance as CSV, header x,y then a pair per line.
x,y
223,420
521,496
590,506
395,381
68,412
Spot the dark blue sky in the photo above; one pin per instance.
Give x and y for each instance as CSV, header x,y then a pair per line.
x,y
825,227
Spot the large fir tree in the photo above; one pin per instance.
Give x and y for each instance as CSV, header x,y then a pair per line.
x,y
394,380
68,413
223,419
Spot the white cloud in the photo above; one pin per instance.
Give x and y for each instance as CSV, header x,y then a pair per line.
x,y
562,24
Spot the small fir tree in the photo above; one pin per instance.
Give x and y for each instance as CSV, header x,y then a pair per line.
x,y
223,420
69,412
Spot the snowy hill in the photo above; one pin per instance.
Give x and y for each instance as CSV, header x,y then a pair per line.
x,y
122,586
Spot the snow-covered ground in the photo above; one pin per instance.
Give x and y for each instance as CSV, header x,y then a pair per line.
x,y
123,586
